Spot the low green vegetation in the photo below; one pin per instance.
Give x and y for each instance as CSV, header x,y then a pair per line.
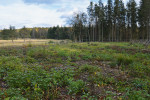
x,y
94,71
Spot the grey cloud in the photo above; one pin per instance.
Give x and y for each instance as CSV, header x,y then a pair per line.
x,y
64,16
41,1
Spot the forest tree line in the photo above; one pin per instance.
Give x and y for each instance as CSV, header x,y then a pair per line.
x,y
36,33
114,21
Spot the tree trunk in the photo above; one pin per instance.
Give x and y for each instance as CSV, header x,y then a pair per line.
x,y
102,32
93,33
112,32
12,40
99,32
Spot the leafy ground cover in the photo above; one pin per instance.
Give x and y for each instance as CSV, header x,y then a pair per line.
x,y
79,71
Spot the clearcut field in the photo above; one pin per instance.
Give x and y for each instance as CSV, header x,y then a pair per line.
x,y
93,71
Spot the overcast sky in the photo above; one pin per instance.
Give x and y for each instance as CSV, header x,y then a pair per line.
x,y
39,13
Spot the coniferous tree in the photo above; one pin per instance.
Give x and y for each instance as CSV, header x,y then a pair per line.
x,y
110,19
133,19
122,21
24,33
144,19
13,34
102,19
116,16
128,19
5,34
90,11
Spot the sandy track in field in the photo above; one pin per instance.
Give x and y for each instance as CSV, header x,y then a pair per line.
x,y
20,42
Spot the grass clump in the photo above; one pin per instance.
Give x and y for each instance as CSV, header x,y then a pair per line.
x,y
124,60
89,69
121,60
38,53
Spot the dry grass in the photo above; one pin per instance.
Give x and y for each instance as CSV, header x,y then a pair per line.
x,y
20,42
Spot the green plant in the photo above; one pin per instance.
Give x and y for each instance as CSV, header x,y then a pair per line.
x,y
104,57
16,98
110,95
62,77
51,42
124,60
28,59
38,53
76,87
141,84
86,56
11,92
31,83
89,69
137,69
29,45
96,78
137,95
62,42
7,65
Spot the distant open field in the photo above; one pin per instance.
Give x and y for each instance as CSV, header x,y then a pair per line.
x,y
20,42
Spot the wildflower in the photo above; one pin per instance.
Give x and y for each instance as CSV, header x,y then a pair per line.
x,y
102,84
83,89
120,98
